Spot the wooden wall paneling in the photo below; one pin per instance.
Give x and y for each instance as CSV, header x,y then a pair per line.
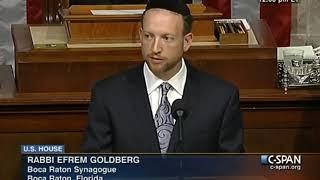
x,y
29,122
281,129
295,140
68,76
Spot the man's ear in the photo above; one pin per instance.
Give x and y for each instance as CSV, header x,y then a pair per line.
x,y
187,41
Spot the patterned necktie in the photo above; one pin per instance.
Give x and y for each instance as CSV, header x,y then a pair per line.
x,y
163,119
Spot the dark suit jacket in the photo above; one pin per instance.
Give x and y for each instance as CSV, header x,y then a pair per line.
x,y
120,117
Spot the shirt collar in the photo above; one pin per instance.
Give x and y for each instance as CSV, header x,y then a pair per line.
x,y
177,81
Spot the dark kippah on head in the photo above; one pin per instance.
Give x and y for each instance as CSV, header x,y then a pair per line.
x,y
176,6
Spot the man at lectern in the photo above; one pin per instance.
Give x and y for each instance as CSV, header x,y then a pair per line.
x,y
133,112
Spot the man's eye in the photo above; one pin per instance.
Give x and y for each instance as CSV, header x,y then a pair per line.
x,y
167,38
147,36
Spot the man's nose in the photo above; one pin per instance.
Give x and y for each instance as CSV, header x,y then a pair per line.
x,y
157,46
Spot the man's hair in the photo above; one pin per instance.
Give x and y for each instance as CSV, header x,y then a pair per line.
x,y
175,6
187,24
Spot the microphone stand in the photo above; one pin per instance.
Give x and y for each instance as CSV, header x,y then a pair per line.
x,y
180,142
179,113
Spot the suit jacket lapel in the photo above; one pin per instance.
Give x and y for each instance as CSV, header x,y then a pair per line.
x,y
143,114
190,98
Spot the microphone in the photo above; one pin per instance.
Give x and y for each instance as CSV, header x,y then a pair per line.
x,y
179,113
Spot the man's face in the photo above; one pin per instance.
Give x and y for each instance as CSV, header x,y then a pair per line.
x,y
163,42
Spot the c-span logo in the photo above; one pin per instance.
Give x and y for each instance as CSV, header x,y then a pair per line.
x,y
282,162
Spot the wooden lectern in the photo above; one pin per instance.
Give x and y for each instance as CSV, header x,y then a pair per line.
x,y
118,25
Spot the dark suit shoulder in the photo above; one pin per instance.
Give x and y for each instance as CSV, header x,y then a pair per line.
x,y
213,82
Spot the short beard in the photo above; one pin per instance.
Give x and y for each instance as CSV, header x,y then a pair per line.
x,y
166,71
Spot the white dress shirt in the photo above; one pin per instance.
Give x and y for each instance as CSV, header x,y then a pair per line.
x,y
153,86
